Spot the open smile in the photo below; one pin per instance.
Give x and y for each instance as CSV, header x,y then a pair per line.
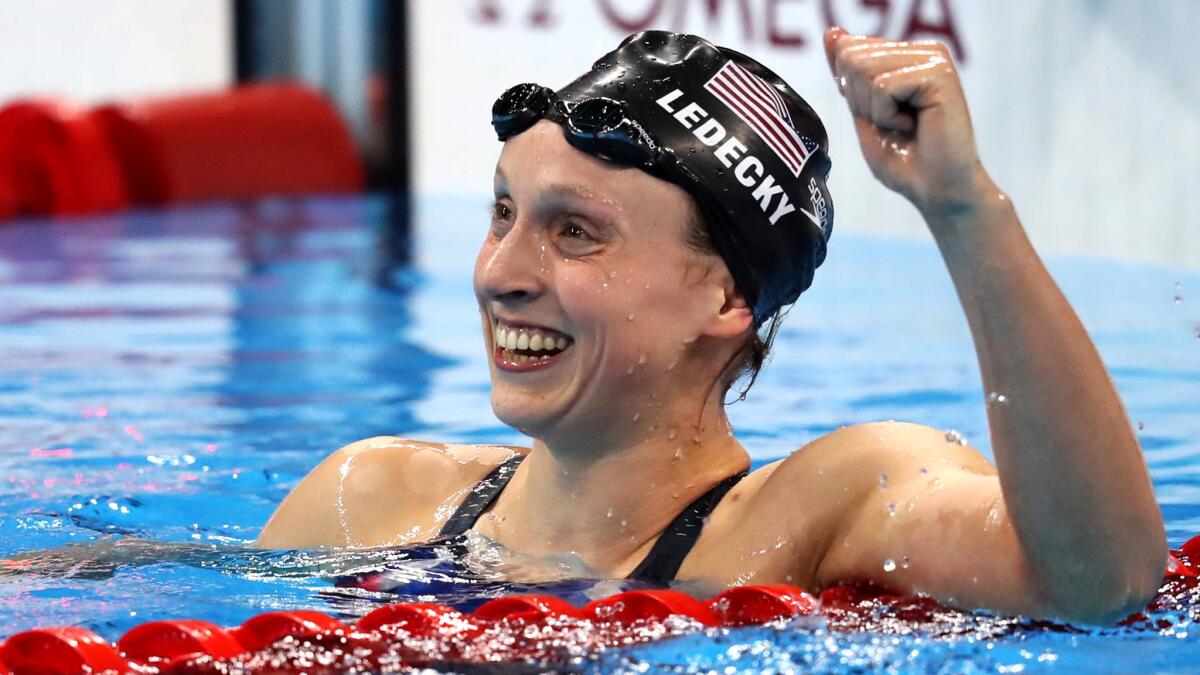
x,y
522,348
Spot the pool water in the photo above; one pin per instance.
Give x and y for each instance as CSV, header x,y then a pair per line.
x,y
167,377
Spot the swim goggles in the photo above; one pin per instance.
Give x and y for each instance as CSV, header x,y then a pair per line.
x,y
599,126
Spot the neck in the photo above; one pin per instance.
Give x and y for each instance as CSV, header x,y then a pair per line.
x,y
606,501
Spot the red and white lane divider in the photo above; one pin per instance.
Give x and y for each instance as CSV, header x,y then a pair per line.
x,y
529,628
503,629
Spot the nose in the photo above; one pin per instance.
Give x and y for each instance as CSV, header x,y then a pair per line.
x,y
509,270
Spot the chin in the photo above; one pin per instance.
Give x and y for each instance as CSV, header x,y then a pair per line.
x,y
528,415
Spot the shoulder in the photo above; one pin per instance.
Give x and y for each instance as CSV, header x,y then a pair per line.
x,y
854,451
379,491
416,465
829,477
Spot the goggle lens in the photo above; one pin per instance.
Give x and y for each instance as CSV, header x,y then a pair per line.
x,y
599,126
518,108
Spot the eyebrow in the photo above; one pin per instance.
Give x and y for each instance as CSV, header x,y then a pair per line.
x,y
564,195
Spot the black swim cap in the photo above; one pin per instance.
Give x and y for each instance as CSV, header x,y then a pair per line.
x,y
730,132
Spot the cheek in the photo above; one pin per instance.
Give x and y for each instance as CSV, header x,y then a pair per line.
x,y
638,307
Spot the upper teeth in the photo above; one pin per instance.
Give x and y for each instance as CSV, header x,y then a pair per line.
x,y
532,339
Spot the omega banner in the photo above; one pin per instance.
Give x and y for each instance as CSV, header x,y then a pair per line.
x,y
1070,108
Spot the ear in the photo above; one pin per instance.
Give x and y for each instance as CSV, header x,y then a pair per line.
x,y
733,316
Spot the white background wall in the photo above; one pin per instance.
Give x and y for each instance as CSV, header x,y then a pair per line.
x,y
94,50
1087,111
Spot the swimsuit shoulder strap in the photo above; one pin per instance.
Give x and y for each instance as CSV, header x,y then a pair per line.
x,y
663,561
480,498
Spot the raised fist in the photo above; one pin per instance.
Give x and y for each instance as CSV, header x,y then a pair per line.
x,y
911,118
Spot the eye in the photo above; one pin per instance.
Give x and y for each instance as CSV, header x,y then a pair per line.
x,y
575,231
502,219
500,211
575,237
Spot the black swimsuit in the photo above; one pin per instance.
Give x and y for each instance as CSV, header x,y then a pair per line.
x,y
665,557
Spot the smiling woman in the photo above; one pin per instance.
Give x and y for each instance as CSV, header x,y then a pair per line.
x,y
615,328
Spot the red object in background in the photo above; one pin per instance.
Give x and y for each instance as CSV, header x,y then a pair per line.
x,y
1189,553
418,618
267,629
746,605
8,196
164,641
526,607
1177,568
57,161
67,650
249,142
644,605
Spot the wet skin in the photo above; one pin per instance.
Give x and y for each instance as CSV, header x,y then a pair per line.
x,y
627,418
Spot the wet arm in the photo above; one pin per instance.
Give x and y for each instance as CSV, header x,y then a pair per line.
x,y
1073,485
1071,470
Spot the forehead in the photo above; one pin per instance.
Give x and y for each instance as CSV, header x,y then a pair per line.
x,y
539,163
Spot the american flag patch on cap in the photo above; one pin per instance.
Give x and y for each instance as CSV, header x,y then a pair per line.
x,y
758,105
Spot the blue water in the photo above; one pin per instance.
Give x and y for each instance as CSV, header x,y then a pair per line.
x,y
166,378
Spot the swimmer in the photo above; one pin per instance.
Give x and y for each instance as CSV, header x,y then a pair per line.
x,y
652,219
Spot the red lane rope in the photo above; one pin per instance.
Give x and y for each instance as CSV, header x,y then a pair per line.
x,y
530,628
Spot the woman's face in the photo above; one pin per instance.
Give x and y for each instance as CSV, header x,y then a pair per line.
x,y
585,271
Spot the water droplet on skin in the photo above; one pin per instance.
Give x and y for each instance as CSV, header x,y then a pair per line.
x,y
675,495
637,416
647,287
623,522
612,274
845,541
889,565
923,471
609,514
671,434
678,454
997,398
891,508
882,480
954,437
629,371
629,318
904,562
936,483
641,359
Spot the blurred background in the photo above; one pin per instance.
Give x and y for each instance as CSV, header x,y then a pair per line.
x,y
238,234
1084,109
